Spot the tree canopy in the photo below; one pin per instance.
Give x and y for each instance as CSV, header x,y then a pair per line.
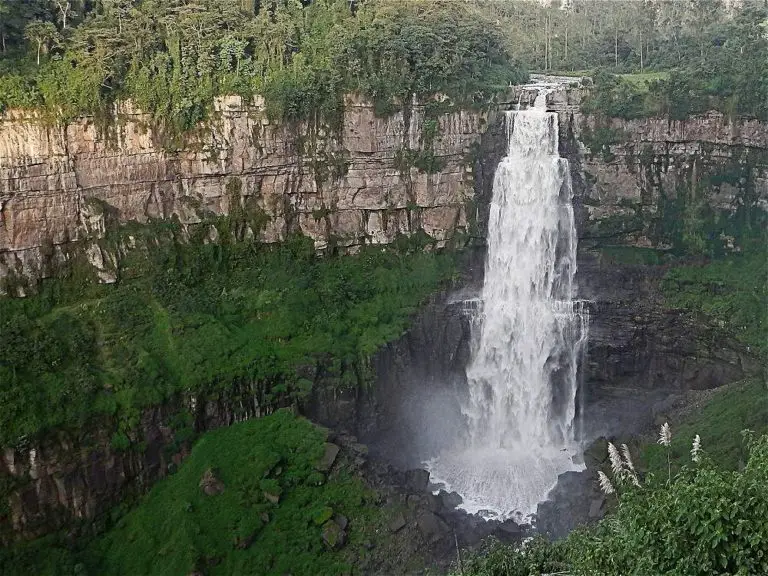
x,y
173,56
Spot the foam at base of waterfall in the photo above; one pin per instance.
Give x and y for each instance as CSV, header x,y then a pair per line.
x,y
502,483
527,337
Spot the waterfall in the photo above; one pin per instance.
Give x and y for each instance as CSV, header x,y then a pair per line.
x,y
521,405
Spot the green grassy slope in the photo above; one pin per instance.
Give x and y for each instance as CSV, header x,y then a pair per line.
x,y
177,529
202,318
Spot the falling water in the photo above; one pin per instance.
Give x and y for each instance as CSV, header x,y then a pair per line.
x,y
521,407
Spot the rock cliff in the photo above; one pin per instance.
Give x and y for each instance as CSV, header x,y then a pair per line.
x,y
62,186
638,184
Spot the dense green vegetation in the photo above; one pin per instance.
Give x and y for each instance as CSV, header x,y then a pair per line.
x,y
208,319
691,55
173,57
719,422
177,529
729,73
703,520
731,292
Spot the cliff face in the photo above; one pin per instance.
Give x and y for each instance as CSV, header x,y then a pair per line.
x,y
643,188
653,182
61,186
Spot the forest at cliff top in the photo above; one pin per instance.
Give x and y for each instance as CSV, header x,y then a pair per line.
x,y
172,57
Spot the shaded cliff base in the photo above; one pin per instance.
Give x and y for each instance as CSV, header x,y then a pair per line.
x,y
661,336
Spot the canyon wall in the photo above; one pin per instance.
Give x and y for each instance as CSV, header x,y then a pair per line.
x,y
646,191
61,186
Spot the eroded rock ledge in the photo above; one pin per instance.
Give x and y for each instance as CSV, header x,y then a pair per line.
x,y
61,186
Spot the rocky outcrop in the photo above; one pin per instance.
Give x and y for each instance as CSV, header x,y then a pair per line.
x,y
62,186
637,342
668,184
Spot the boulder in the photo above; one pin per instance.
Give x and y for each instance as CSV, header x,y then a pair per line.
x,y
329,457
210,485
432,526
417,480
271,497
596,453
597,508
509,530
397,523
333,536
450,500
341,520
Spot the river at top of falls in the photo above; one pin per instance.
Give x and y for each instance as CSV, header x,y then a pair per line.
x,y
520,407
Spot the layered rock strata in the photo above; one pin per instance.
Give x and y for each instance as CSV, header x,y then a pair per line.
x,y
62,185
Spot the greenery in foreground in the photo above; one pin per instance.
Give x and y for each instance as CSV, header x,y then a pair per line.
x,y
177,529
719,422
202,319
703,520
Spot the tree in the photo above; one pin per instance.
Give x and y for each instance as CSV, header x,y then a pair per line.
x,y
5,11
42,34
64,8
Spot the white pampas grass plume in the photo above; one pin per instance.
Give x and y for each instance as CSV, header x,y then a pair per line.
x,y
605,483
627,457
630,465
617,466
665,435
696,449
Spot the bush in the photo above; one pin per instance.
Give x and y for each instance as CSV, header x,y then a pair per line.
x,y
702,521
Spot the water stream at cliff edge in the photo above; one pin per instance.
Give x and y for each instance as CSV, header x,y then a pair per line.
x,y
520,411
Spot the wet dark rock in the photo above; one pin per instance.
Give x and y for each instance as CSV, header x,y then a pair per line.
x,y
432,526
397,523
413,501
329,457
417,480
596,454
433,502
333,535
597,508
450,499
210,485
509,530
568,504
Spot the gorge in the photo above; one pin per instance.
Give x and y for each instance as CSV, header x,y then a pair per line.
x,y
59,201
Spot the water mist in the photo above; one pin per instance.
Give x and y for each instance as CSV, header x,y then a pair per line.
x,y
520,410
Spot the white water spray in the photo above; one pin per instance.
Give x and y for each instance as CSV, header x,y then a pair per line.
x,y
523,374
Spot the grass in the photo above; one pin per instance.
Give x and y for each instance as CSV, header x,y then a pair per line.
x,y
194,318
643,79
731,292
176,529
719,422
